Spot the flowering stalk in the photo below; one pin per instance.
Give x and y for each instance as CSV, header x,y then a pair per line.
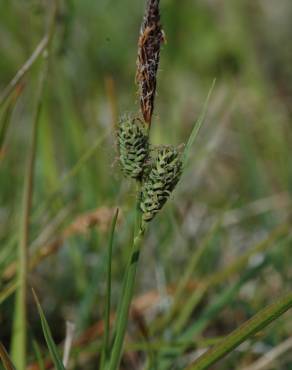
x,y
128,291
156,177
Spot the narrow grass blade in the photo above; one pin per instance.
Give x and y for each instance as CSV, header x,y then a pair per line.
x,y
122,318
19,338
48,337
238,336
106,339
38,355
137,224
197,126
127,294
7,363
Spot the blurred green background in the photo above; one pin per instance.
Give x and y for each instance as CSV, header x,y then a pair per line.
x,y
235,193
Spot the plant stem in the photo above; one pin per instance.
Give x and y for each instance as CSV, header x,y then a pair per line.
x,y
106,339
129,284
19,340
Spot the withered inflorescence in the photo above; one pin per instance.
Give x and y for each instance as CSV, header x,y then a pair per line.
x,y
151,37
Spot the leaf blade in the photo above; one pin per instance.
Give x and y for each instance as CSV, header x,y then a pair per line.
x,y
105,346
48,336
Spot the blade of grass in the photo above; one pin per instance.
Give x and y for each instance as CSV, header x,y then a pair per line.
x,y
38,355
48,336
128,291
197,126
7,363
106,338
246,330
19,337
122,319
137,221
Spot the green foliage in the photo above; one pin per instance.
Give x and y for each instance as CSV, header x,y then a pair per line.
x,y
219,252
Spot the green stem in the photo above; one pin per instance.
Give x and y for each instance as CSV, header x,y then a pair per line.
x,y
123,313
19,340
106,340
246,330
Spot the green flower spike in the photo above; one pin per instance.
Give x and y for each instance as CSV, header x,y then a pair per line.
x,y
133,146
161,179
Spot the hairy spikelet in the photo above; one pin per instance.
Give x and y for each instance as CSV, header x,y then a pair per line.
x,y
161,178
133,146
151,37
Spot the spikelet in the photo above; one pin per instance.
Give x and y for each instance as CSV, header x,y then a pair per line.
x,y
151,37
133,146
159,181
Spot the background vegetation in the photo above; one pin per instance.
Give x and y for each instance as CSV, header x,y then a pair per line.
x,y
224,239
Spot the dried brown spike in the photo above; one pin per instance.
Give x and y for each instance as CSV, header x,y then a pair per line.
x,y
151,37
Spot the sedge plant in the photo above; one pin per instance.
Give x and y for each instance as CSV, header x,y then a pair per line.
x,y
155,170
